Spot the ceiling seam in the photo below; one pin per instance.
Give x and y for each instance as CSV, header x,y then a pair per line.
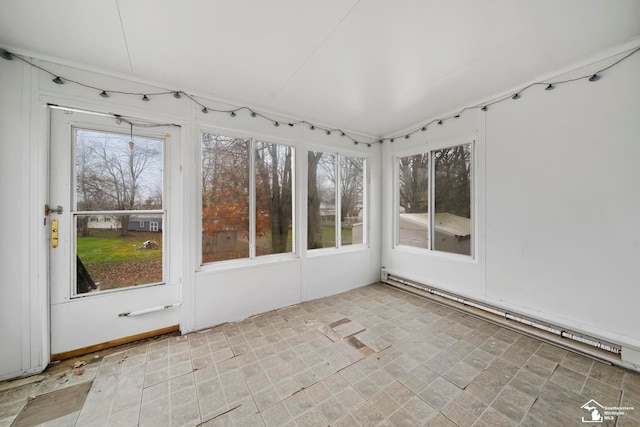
x,y
277,93
124,36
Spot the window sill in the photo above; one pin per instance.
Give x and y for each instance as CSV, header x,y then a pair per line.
x,y
313,253
247,263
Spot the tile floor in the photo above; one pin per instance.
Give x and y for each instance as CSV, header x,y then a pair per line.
x,y
374,356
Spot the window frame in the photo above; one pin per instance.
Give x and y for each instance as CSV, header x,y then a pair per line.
x,y
430,149
252,257
163,211
339,154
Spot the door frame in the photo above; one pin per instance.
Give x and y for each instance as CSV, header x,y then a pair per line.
x,y
174,181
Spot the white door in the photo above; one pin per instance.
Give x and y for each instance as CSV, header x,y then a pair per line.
x,y
114,248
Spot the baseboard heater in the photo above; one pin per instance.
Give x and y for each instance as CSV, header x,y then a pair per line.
x,y
589,346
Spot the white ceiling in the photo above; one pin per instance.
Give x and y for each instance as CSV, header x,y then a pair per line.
x,y
371,66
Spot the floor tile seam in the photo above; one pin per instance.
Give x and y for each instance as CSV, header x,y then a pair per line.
x,y
488,405
546,382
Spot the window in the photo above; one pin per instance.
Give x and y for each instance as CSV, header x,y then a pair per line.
x,y
335,200
118,180
247,198
434,192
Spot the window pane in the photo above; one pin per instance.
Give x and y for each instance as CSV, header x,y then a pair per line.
x,y
321,232
452,221
114,172
351,207
225,198
274,198
413,214
108,258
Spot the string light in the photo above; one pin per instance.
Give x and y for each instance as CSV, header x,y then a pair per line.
x,y
517,95
178,94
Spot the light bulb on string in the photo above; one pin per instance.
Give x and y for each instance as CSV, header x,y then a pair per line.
x,y
104,94
205,110
594,78
131,143
5,55
177,95
516,96
58,81
145,98
549,87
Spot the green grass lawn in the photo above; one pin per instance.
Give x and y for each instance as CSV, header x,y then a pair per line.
x,y
115,261
108,246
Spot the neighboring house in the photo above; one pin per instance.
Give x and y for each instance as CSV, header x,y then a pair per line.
x,y
327,212
145,223
104,222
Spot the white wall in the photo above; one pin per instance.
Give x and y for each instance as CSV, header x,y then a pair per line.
x,y
211,294
558,201
562,201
